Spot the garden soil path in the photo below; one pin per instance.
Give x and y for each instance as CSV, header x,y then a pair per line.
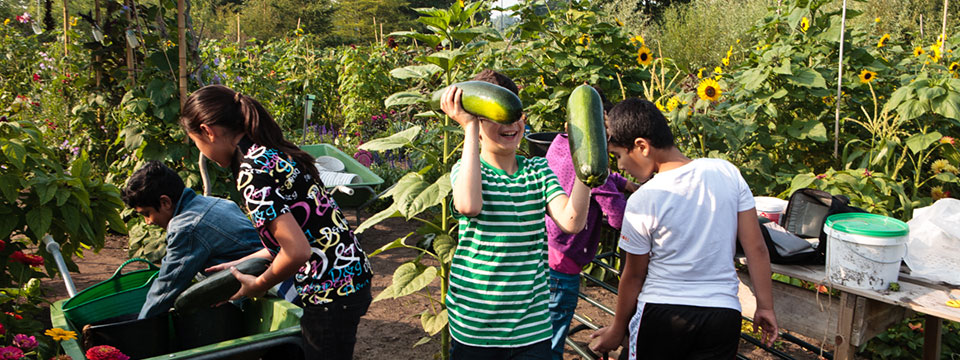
x,y
391,327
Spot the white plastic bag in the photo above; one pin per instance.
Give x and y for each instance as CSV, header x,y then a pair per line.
x,y
933,249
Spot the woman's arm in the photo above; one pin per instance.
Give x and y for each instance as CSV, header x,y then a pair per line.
x,y
758,264
262,253
294,252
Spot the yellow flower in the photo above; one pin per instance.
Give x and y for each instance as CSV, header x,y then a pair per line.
x,y
917,51
935,53
673,103
6,22
584,39
59,334
725,61
954,67
718,70
709,90
738,41
730,51
700,73
883,40
619,23
947,140
877,20
73,21
804,24
542,82
460,2
638,39
942,165
867,76
660,107
829,100
643,56
937,193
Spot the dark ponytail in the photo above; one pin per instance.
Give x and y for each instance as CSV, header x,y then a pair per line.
x,y
219,105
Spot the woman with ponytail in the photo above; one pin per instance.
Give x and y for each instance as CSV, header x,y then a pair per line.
x,y
302,228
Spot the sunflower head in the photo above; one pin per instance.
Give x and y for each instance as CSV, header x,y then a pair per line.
x,y
659,106
709,90
619,23
673,103
867,76
954,67
804,24
917,51
725,61
644,57
883,40
700,73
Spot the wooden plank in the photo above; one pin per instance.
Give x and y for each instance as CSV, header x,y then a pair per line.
x,y
875,318
931,338
798,310
845,349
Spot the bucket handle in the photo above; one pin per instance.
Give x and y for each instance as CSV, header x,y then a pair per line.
x,y
845,243
119,271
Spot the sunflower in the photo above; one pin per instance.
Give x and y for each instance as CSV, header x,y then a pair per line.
x,y
917,51
954,67
59,334
584,39
725,61
700,73
643,56
804,24
867,76
709,90
619,23
883,40
638,39
659,106
673,103
934,53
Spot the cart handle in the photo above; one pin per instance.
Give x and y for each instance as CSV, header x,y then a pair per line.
x,y
119,271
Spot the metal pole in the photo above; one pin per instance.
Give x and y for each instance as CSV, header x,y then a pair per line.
x,y
836,124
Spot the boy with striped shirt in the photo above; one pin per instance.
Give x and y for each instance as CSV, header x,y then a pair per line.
x,y
498,299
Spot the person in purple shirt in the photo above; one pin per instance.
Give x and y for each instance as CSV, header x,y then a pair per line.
x,y
569,253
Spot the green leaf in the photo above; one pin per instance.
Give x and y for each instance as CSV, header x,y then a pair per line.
x,y
946,177
432,324
753,78
412,277
388,293
416,71
404,98
423,340
45,191
9,185
398,243
930,93
920,142
433,195
897,97
807,77
784,68
15,152
444,245
7,224
948,106
393,141
408,194
801,181
430,39
38,221
377,218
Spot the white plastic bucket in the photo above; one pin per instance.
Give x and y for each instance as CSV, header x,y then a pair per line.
x,y
864,250
770,207
331,178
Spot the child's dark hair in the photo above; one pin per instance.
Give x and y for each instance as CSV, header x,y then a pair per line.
x,y
603,99
238,113
151,181
638,118
496,78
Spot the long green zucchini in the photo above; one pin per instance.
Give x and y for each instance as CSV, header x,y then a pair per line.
x,y
218,287
587,136
486,100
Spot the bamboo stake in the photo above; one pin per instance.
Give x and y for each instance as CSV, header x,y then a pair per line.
x,y
921,26
129,48
375,29
238,28
98,75
836,124
943,32
182,50
66,26
381,33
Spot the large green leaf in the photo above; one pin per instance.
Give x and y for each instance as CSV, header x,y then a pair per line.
x,y
753,78
801,181
948,106
431,196
412,277
897,97
929,93
404,98
388,293
38,220
16,152
429,39
807,77
415,71
444,245
445,59
911,109
393,141
377,218
406,195
8,223
10,187
920,142
433,323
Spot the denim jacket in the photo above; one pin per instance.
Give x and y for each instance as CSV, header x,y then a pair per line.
x,y
203,232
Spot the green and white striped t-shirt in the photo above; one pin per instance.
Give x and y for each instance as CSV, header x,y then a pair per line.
x,y
498,293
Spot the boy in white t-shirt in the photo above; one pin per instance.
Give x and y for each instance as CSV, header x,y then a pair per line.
x,y
678,289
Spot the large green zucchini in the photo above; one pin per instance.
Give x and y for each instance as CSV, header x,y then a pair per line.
x,y
486,100
587,136
218,287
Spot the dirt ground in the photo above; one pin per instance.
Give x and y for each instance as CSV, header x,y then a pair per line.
x,y
391,327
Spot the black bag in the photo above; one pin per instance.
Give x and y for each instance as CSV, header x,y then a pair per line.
x,y
807,210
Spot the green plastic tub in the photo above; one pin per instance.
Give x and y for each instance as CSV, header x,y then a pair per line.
x,y
363,190
121,294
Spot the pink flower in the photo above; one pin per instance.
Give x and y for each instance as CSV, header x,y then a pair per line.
x,y
364,157
105,352
27,259
23,19
2,330
36,77
3,244
947,140
10,353
867,173
24,342
821,176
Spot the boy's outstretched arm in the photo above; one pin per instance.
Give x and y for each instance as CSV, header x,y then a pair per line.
x,y
570,213
758,263
467,197
634,273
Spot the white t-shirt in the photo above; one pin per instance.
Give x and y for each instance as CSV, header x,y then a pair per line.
x,y
686,219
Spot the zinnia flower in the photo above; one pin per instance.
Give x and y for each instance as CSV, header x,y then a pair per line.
x,y
804,24
883,40
709,90
643,56
942,165
947,140
59,334
867,76
937,193
26,259
24,342
917,51
105,352
10,353
61,357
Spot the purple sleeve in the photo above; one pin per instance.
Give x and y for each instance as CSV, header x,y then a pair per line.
x,y
611,199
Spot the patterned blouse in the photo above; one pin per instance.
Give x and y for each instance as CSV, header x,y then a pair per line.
x,y
272,184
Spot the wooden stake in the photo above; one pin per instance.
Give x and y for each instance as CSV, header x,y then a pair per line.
x,y
921,26
66,26
375,29
98,75
238,28
943,32
182,50
381,33
836,124
129,49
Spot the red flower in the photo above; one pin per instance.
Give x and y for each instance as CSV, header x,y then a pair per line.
x,y
10,353
105,352
2,330
27,259
3,244
15,316
34,103
36,77
915,327
867,173
821,176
